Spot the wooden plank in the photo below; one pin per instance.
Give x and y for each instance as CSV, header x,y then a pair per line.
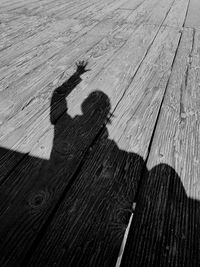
x,y
132,4
52,48
113,80
61,42
55,9
24,24
26,132
177,14
13,4
74,8
19,5
57,28
88,228
32,77
30,61
193,18
76,28
22,131
45,67
90,6
28,166
164,230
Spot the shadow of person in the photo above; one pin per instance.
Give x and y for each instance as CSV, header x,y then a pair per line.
x,y
72,136
96,183
98,206
166,223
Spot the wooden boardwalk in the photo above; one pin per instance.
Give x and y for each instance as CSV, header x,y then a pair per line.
x,y
86,147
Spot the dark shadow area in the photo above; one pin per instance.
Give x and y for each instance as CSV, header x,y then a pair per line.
x,y
44,222
166,224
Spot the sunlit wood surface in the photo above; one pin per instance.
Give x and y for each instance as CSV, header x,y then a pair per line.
x,y
99,113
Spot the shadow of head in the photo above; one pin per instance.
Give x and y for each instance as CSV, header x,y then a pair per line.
x,y
97,103
163,191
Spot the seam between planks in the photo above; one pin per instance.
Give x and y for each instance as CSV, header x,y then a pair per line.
x,y
108,61
119,260
153,134
71,15
148,49
172,27
100,131
155,126
165,25
80,165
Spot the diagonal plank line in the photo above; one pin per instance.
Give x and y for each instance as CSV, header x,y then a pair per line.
x,y
79,167
141,180
159,112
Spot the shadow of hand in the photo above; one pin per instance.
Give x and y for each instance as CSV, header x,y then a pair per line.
x,y
81,65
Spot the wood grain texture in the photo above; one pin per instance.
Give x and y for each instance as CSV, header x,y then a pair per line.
x,y
27,168
89,226
165,226
177,14
74,143
55,184
193,18
38,67
24,128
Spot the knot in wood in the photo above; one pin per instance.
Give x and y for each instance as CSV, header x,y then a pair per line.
x,y
38,199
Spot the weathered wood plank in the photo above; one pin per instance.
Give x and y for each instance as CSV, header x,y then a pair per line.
x,y
164,230
41,70
18,6
177,14
54,50
193,18
88,228
36,202
132,4
26,61
113,80
76,28
25,128
54,30
160,8
14,4
24,24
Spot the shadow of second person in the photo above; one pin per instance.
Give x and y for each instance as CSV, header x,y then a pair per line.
x,y
166,223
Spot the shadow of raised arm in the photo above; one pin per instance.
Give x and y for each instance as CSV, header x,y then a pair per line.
x,y
58,100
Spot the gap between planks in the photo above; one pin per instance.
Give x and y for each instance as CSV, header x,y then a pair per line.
x,y
122,249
